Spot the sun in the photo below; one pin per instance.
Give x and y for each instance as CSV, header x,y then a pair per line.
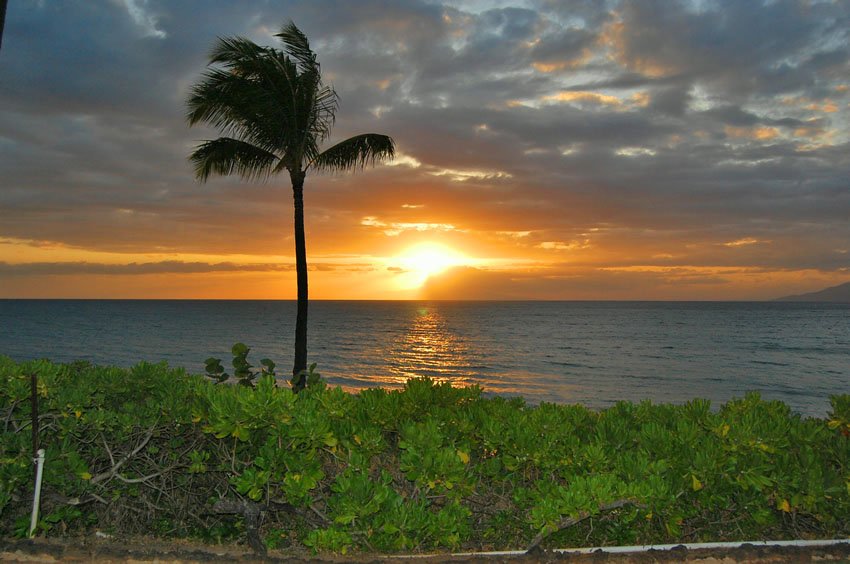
x,y
419,262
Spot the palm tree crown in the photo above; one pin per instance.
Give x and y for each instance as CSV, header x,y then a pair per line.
x,y
274,113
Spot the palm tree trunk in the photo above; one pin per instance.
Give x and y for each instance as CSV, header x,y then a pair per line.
x,y
2,19
299,370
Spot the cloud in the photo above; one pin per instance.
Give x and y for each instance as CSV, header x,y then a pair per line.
x,y
583,96
744,241
562,246
396,228
171,267
146,21
160,267
676,128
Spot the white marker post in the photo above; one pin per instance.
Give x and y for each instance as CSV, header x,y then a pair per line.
x,y
36,500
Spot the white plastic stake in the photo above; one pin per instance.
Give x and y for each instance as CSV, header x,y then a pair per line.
x,y
36,500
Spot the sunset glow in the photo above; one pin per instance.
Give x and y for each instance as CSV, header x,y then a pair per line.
x,y
424,260
544,151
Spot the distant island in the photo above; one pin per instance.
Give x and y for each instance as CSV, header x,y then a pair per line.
x,y
840,293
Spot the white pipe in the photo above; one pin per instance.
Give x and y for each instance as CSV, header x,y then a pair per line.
x,y
36,500
708,545
646,548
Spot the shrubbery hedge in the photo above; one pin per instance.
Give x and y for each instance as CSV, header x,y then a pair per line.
x,y
156,451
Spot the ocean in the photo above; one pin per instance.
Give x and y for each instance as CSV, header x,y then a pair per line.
x,y
593,353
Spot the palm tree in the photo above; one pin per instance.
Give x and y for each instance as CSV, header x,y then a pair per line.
x,y
2,19
274,113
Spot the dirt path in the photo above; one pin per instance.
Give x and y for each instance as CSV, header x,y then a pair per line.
x,y
153,550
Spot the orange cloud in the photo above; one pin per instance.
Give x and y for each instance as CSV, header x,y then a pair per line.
x,y
614,39
393,229
584,96
812,132
549,67
559,65
384,83
641,99
743,242
564,246
755,133
827,106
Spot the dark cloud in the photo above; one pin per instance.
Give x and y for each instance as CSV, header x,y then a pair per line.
x,y
741,48
673,100
734,115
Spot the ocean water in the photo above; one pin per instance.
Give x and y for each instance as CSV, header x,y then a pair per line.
x,y
594,353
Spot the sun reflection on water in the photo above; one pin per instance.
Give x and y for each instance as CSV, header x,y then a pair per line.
x,y
430,348
443,342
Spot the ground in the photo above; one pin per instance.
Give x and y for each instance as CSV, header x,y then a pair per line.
x,y
137,550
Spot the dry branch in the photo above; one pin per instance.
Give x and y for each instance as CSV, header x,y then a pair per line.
x,y
117,466
568,522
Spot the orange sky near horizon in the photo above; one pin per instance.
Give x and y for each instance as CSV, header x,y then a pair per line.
x,y
421,265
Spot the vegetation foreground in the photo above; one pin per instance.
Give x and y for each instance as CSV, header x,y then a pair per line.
x,y
152,450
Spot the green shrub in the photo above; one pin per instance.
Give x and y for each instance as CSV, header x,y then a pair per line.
x,y
153,450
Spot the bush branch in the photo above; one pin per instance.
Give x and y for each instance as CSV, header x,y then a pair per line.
x,y
568,522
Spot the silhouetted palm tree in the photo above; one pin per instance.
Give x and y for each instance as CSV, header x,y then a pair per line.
x,y
2,19
275,112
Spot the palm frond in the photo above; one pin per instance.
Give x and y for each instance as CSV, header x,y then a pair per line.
x,y
264,65
323,112
316,104
298,47
237,53
225,156
250,95
239,107
355,152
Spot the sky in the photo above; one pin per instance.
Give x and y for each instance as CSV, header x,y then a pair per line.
x,y
546,149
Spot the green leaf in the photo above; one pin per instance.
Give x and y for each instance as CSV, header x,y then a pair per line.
x,y
241,433
696,485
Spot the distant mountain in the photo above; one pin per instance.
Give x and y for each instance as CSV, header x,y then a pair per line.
x,y
840,293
